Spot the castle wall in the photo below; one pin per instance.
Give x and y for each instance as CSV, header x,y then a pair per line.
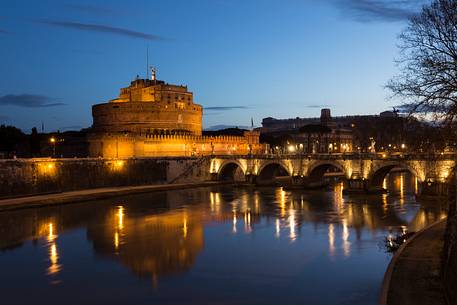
x,y
125,146
142,117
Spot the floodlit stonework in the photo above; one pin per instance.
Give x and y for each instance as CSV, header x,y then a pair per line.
x,y
151,118
149,106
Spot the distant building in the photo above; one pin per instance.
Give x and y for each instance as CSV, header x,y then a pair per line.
x,y
325,137
274,125
152,118
388,129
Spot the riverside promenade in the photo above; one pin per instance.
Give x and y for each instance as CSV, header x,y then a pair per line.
x,y
92,194
413,276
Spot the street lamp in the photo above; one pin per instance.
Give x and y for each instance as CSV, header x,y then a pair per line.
x,y
291,148
53,142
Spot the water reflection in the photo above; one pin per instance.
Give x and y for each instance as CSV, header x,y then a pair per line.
x,y
54,267
163,234
331,239
150,245
292,224
345,238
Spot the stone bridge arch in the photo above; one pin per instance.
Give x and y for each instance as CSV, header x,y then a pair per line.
x,y
380,170
269,170
231,170
317,169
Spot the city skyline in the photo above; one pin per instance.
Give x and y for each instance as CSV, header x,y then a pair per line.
x,y
240,59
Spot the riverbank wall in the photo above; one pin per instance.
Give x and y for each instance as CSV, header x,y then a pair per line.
x,y
449,260
25,177
413,275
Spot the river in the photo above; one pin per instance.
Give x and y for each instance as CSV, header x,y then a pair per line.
x,y
216,245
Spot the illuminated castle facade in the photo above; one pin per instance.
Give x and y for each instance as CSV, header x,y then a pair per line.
x,y
151,118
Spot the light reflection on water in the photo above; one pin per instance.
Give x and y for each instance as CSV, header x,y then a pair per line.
x,y
209,245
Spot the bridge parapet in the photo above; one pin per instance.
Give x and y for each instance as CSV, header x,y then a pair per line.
x,y
349,156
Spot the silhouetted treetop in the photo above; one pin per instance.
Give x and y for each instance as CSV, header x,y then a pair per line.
x,y
10,136
428,63
225,132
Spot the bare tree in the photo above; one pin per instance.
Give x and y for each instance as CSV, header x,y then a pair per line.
x,y
428,63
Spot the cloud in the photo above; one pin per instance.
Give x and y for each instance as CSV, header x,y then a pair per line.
x,y
379,10
224,108
211,113
100,28
91,9
29,101
318,106
412,108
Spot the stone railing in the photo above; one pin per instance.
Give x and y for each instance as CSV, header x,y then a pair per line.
x,y
349,156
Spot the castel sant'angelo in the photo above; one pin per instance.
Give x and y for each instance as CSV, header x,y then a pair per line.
x,y
151,118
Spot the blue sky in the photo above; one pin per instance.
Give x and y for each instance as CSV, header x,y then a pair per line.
x,y
241,58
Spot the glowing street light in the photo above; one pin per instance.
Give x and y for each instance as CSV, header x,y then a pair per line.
x,y
53,142
291,148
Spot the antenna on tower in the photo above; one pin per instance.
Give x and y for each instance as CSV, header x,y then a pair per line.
x,y
147,62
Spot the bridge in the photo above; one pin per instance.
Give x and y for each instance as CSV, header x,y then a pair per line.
x,y
362,172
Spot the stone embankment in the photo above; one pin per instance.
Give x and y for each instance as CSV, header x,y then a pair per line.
x,y
449,258
27,177
413,276
424,270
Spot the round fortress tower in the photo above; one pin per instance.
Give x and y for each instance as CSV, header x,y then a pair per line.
x,y
149,106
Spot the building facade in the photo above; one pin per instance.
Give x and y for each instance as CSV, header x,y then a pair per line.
x,y
326,137
363,132
274,125
151,118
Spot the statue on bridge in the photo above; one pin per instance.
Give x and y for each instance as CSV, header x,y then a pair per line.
x,y
372,147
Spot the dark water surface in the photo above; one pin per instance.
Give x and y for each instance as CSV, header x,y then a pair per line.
x,y
218,245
